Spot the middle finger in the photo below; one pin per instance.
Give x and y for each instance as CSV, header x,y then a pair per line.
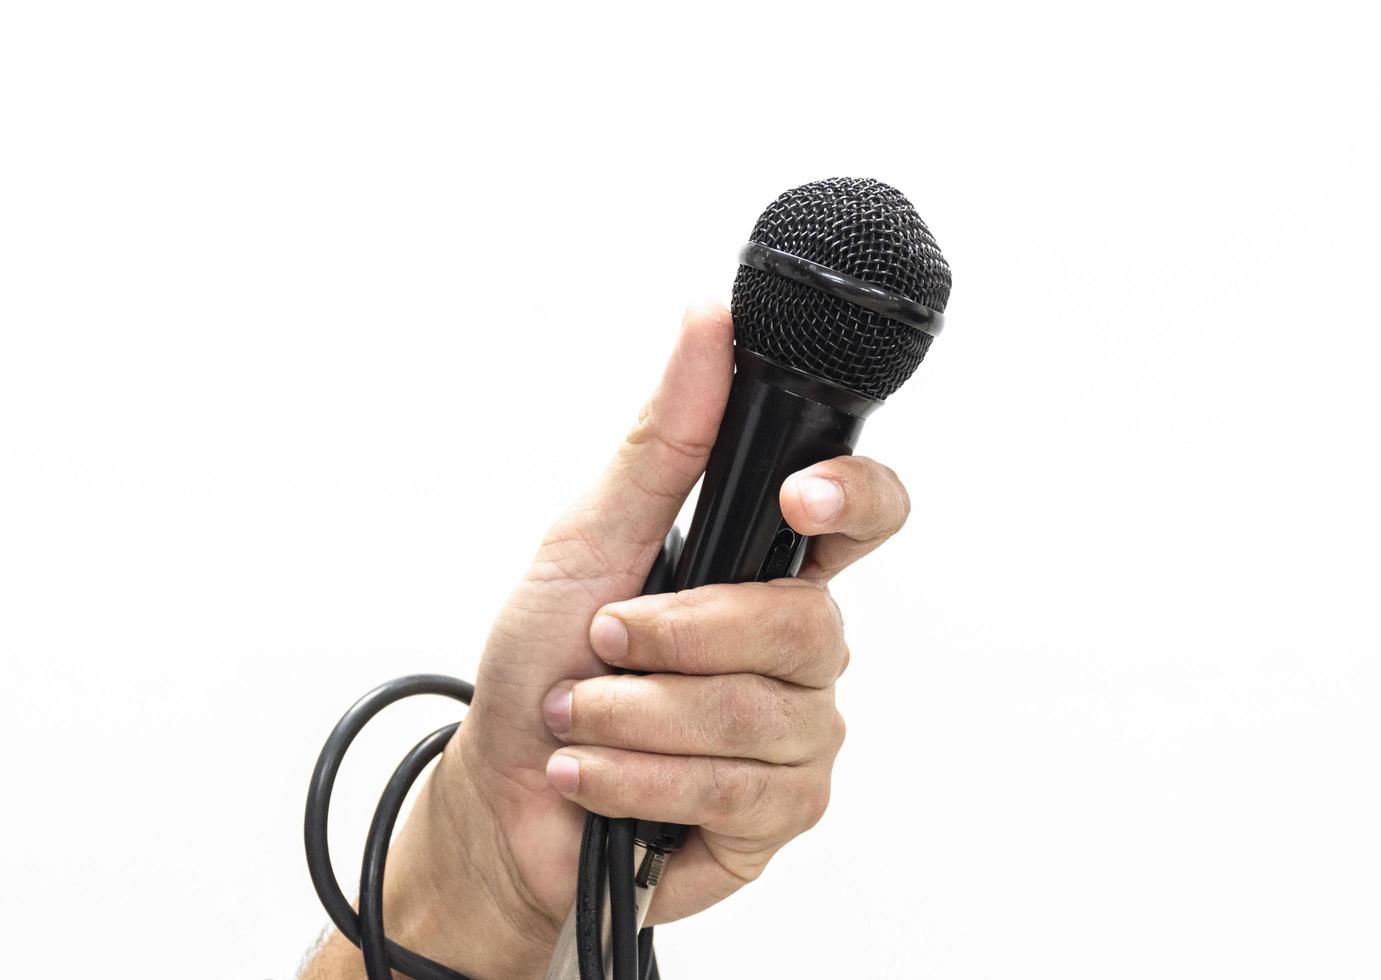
x,y
744,716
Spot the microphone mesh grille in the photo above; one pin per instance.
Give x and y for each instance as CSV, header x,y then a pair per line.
x,y
862,228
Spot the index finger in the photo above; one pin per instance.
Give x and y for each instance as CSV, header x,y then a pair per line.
x,y
849,505
786,629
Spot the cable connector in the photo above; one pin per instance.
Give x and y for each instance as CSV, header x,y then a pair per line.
x,y
650,869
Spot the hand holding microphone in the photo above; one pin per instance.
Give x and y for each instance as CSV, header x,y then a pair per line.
x,y
726,721
733,729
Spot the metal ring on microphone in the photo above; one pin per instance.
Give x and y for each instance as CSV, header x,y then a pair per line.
x,y
842,287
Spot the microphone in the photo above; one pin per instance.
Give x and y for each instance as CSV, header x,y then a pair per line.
x,y
840,291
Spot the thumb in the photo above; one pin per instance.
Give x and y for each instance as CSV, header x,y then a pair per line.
x,y
620,524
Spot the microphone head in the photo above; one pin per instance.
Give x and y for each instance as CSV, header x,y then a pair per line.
x,y
856,227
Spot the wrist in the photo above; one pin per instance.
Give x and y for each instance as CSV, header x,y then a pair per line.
x,y
449,893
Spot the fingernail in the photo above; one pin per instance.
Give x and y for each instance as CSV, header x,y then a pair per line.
x,y
556,709
822,498
609,637
563,772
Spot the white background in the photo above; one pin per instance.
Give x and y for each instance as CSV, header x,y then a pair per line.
x,y
314,314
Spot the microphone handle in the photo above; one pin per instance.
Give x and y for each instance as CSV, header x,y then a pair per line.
x,y
777,421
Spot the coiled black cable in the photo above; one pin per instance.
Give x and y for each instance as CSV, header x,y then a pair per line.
x,y
634,957
372,941
378,948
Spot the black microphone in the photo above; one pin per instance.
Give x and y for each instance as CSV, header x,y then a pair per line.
x,y
839,294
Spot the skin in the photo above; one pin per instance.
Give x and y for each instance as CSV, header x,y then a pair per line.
x,y
733,730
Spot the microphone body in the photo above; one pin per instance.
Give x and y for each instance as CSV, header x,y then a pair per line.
x,y
777,421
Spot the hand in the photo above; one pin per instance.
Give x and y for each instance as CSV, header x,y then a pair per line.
x,y
733,730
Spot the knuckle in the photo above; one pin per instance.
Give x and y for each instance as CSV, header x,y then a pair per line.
x,y
757,717
903,499
743,704
885,504
845,657
815,800
655,780
750,869
815,728
735,787
839,730
791,610
597,708
824,620
681,633
788,719
649,429
813,628
793,720
686,598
